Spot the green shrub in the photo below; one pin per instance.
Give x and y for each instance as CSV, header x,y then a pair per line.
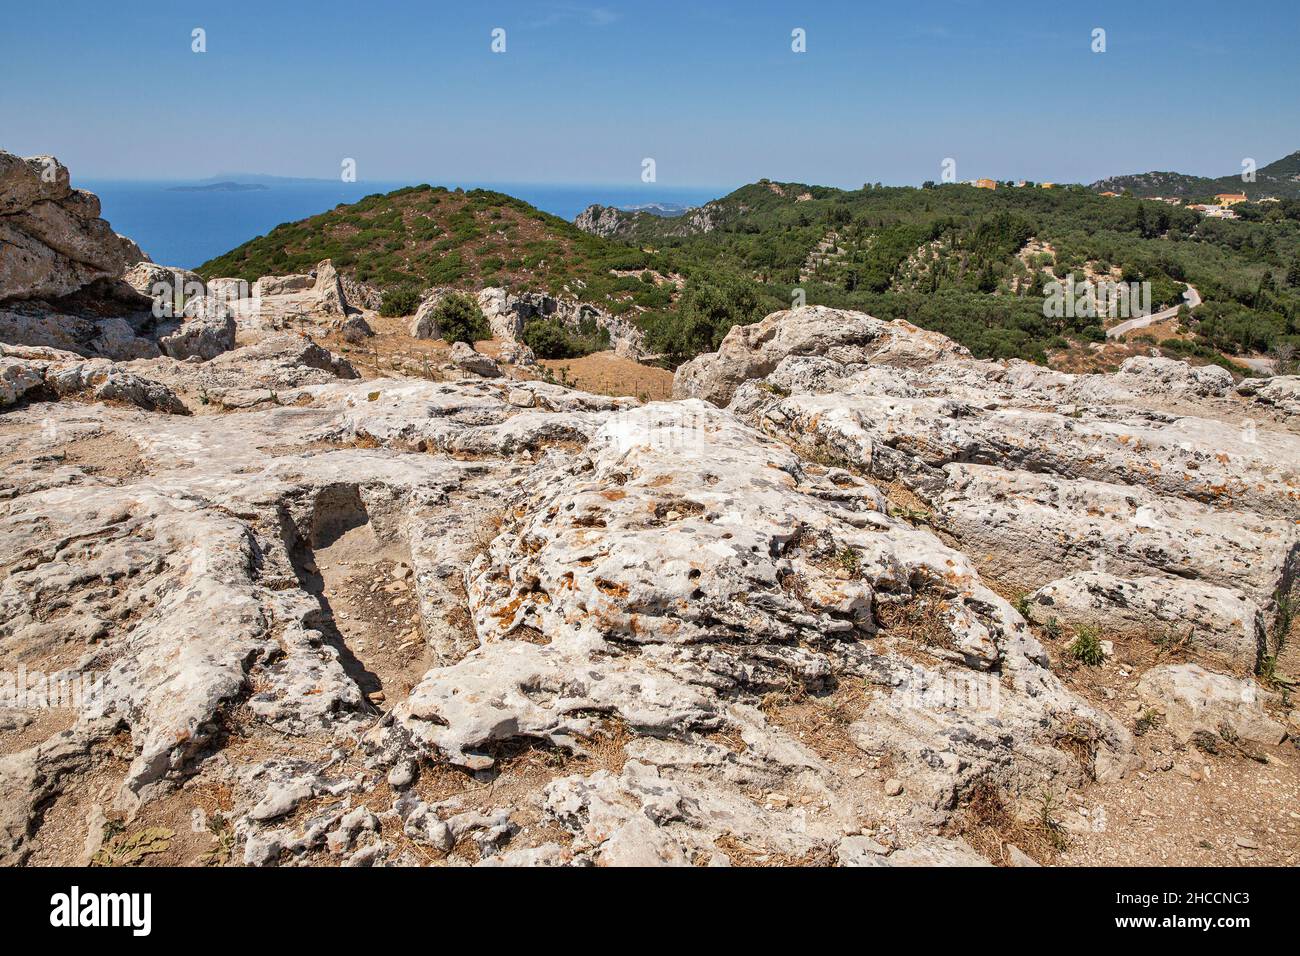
x,y
1086,648
400,301
551,338
548,339
460,319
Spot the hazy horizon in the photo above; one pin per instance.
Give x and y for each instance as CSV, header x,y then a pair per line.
x,y
583,93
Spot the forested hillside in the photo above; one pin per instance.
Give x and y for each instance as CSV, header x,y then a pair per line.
x,y
972,262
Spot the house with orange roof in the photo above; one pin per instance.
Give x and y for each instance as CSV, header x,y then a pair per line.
x,y
1229,199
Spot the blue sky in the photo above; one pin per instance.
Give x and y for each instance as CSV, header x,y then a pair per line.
x,y
710,90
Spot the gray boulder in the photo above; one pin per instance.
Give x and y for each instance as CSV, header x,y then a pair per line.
x,y
54,239
1195,700
204,338
464,357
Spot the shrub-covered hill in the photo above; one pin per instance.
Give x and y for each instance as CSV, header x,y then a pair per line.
x,y
424,236
971,262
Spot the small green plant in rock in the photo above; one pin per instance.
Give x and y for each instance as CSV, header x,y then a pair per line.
x,y
1086,648
1050,826
1149,720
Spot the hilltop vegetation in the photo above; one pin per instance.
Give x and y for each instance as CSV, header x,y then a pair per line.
x,y
422,236
971,263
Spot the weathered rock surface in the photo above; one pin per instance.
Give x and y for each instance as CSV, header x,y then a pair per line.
x,y
202,338
53,239
666,634
278,303
1161,479
1195,700
754,351
1220,621
464,357
156,281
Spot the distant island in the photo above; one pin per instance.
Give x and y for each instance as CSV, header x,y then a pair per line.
x,y
222,187
666,209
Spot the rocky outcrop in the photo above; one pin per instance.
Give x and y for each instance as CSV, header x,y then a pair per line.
x,y
465,358
155,281
604,221
1196,701
846,338
1281,392
400,620
27,372
612,223
1217,621
201,338
424,324
54,241
618,604
1156,500
507,313
277,303
119,338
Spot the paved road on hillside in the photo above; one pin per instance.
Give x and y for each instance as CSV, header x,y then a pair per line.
x,y
1191,298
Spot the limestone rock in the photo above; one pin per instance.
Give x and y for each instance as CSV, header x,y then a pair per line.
x,y
1194,699
516,353
165,282
202,338
283,285
55,243
464,357
355,329
754,351
1158,500
1214,620
1280,391
424,324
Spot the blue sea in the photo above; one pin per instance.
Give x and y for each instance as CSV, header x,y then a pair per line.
x,y
186,229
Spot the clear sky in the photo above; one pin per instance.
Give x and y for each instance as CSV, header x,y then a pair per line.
x,y
710,90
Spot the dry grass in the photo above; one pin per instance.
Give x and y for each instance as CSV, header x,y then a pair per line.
x,y
988,825
920,620
821,721
741,853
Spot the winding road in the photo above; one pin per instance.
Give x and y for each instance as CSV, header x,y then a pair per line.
x,y
1191,298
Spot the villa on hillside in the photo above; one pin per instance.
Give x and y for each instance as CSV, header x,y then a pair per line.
x,y
985,184
1213,212
1229,199
1109,193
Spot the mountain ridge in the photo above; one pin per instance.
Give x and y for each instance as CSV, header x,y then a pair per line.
x,y
1279,179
